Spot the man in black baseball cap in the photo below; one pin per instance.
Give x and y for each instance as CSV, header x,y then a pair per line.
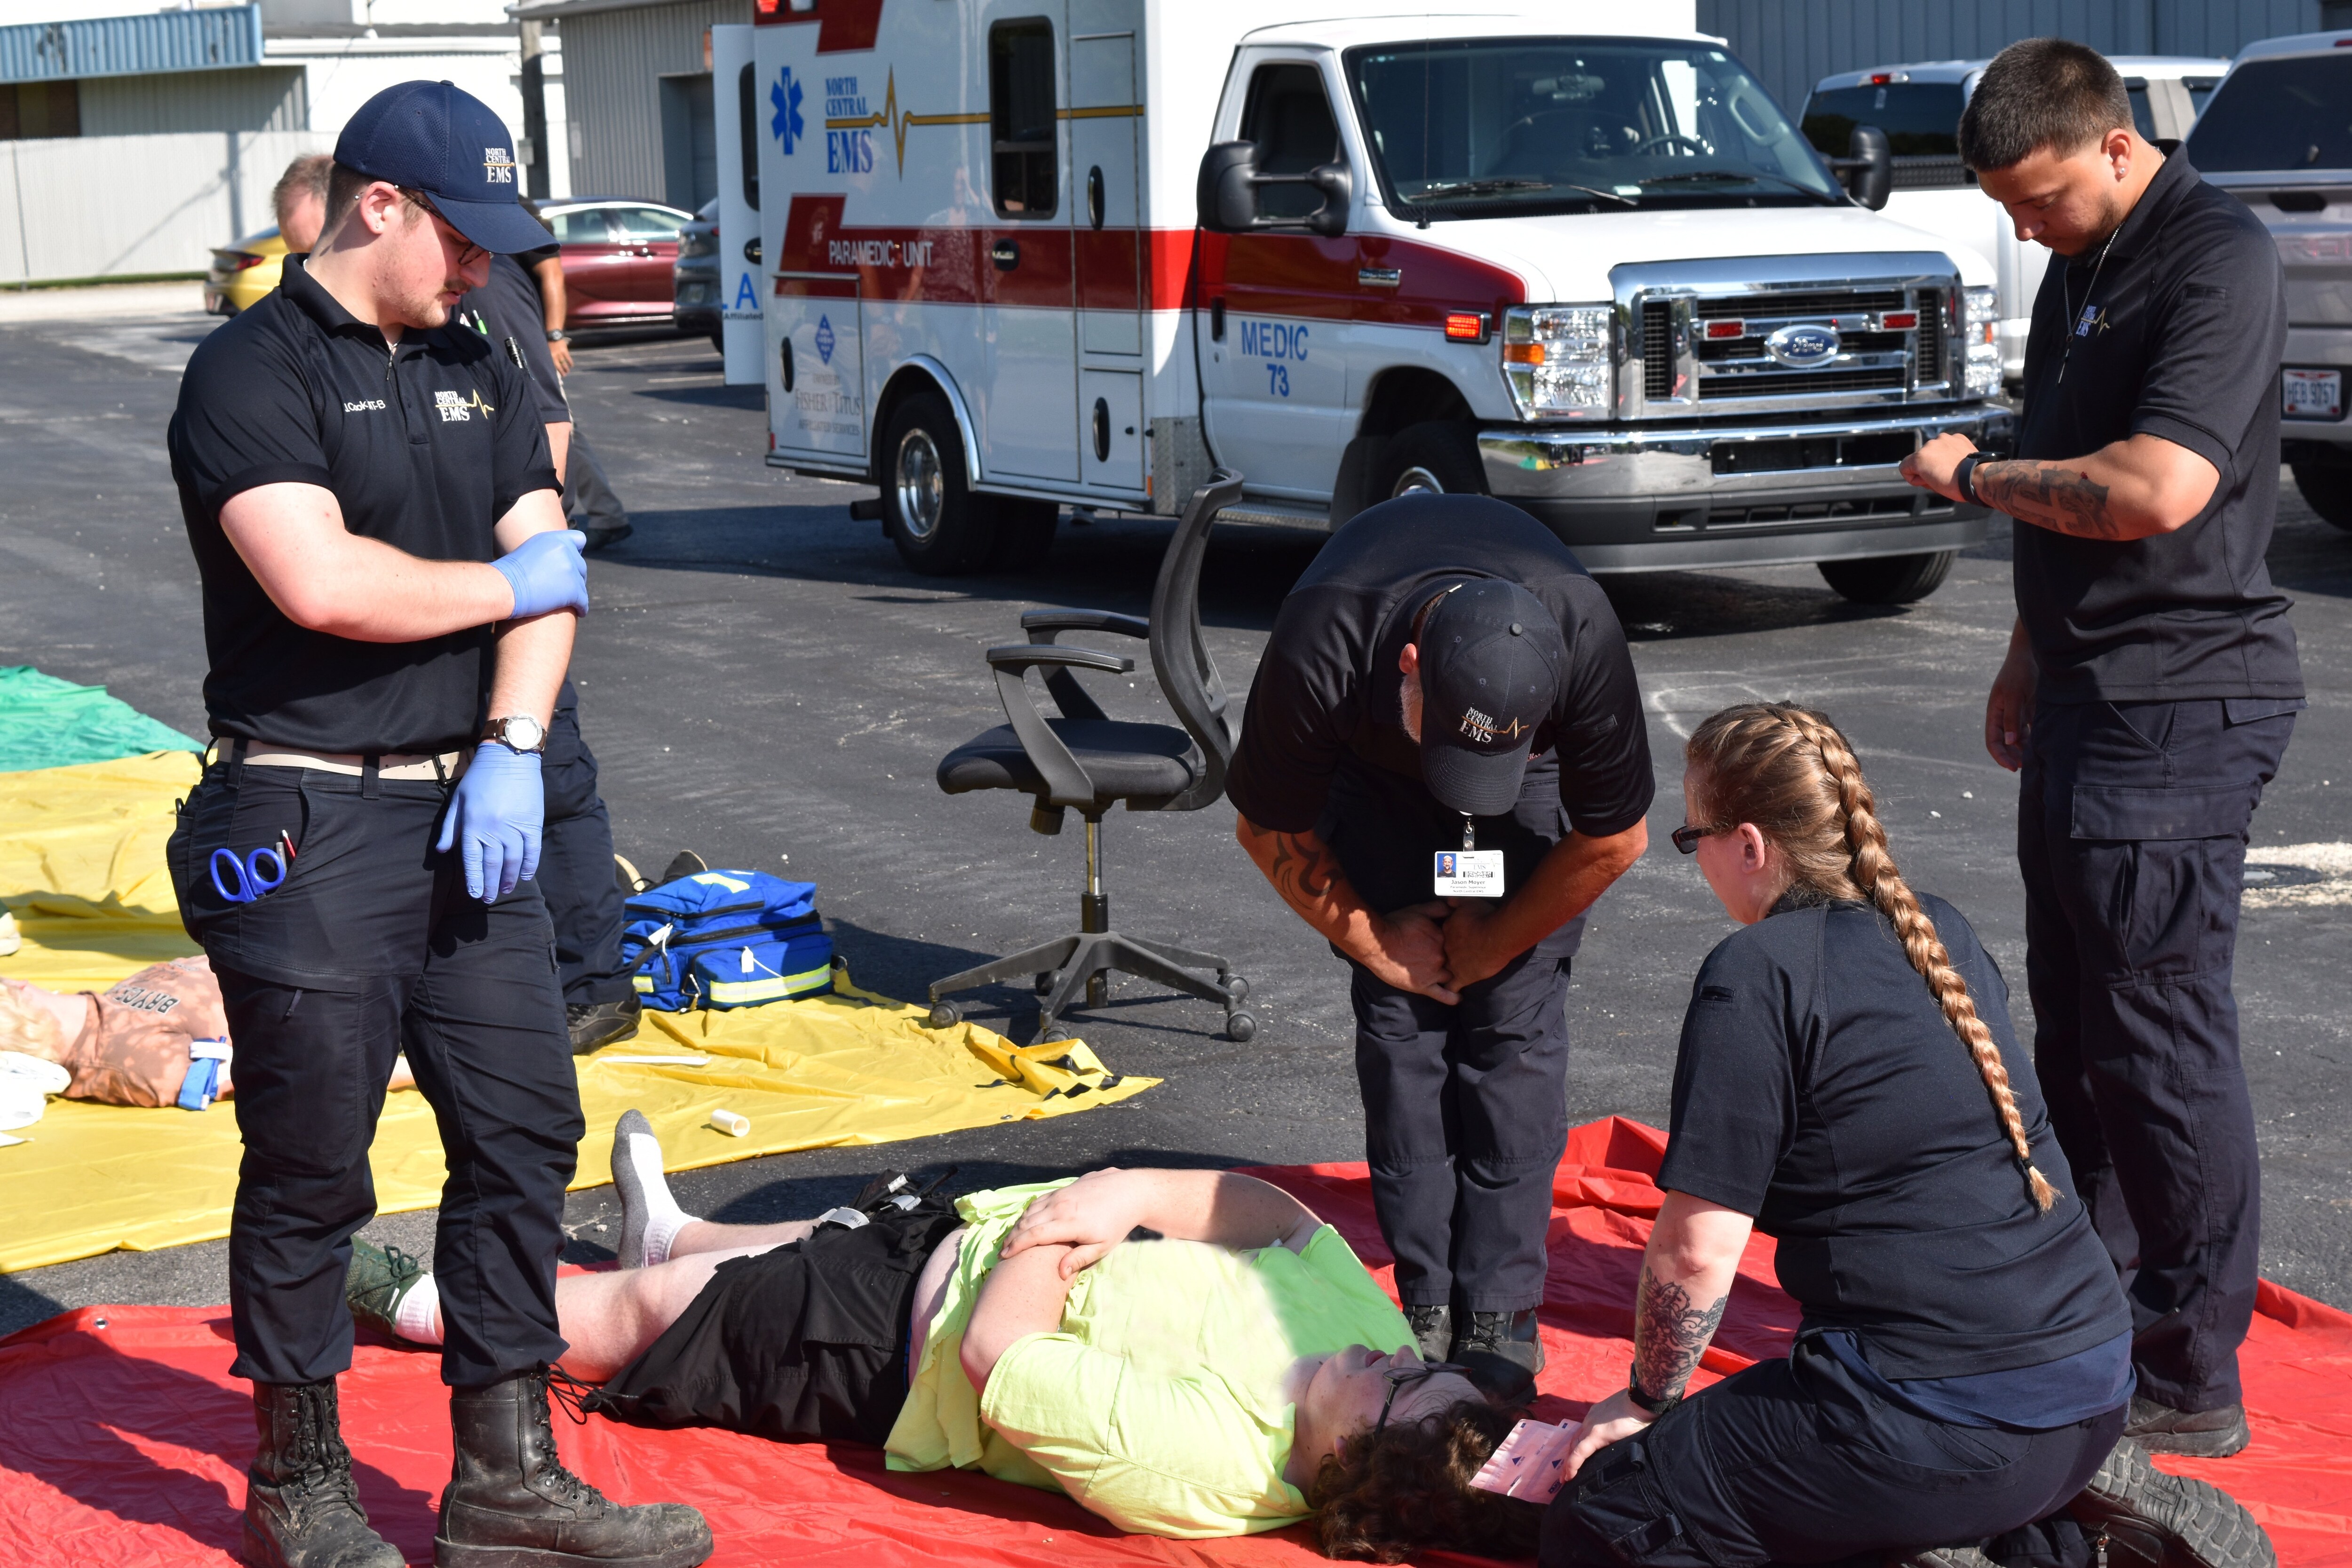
x,y
1444,762
369,495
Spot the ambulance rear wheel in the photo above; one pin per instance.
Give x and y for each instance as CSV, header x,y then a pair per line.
x,y
1437,456
940,528
1890,579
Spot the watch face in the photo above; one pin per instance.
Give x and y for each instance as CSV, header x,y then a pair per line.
x,y
525,734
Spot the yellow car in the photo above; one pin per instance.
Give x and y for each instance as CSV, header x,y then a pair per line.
x,y
242,273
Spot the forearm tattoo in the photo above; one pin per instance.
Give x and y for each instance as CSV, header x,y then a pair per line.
x,y
1303,871
1670,1335
2050,495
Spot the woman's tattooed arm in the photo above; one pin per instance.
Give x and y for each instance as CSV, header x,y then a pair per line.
x,y
1670,1333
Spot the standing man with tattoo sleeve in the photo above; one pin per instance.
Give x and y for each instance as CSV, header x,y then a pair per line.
x,y
1447,694
2148,693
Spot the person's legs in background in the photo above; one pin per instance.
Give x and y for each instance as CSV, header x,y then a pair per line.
x,y
584,899
588,498
1508,1062
1409,1136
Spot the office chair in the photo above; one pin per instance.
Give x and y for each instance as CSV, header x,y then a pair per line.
x,y
1087,761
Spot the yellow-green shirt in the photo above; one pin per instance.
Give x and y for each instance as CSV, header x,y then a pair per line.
x,y
1159,1405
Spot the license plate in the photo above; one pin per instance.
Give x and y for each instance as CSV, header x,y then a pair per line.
x,y
2311,393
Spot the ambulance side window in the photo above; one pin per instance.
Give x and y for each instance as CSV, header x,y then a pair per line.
x,y
1020,116
1289,118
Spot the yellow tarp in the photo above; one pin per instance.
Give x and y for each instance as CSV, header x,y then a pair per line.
x,y
81,868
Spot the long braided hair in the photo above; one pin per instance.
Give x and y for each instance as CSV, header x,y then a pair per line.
x,y
1788,770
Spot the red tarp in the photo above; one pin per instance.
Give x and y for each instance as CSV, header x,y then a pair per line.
x,y
123,1440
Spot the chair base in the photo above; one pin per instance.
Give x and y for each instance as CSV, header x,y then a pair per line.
x,y
1072,964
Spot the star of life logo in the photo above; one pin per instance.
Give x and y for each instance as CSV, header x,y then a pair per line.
x,y
498,166
1485,729
786,125
824,339
455,409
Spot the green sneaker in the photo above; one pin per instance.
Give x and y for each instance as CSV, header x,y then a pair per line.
x,y
380,1278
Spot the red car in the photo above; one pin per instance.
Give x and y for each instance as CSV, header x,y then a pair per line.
x,y
618,256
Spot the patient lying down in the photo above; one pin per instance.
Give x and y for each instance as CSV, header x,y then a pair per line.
x,y
1184,1352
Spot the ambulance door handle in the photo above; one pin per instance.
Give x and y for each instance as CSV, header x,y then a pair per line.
x,y
1102,431
787,357
1006,254
1095,197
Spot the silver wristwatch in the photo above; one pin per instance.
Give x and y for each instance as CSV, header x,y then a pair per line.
x,y
520,733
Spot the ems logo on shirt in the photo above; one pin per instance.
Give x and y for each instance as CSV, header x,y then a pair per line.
x,y
498,166
455,409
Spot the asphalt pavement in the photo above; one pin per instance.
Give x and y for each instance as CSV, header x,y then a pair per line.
x,y
762,682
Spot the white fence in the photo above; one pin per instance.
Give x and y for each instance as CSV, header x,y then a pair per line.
x,y
101,207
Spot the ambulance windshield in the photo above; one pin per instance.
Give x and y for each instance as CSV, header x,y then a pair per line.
x,y
1477,127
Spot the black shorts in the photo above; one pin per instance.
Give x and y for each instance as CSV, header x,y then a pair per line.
x,y
808,1340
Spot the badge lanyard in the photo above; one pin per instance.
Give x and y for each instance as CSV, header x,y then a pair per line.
x,y
1472,873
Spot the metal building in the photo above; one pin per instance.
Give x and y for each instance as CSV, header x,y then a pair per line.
x,y
637,83
1792,44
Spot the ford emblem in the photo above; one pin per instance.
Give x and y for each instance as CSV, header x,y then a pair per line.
x,y
1803,347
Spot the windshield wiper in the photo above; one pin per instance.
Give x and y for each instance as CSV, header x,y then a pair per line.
x,y
1752,174
1490,187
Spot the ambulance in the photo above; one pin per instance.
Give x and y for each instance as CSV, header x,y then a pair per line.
x,y
1024,255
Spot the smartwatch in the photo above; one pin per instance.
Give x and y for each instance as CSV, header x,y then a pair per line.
x,y
555,334
1643,1401
522,733
1964,477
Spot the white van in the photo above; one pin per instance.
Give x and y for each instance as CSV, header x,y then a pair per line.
x,y
1918,106
1032,253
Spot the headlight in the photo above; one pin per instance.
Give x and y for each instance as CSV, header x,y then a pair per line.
x,y
1559,361
1981,369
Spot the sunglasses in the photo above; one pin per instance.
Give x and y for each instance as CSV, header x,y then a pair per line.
x,y
1403,1377
468,252
1686,837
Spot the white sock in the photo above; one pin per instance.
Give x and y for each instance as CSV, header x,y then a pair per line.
x,y
664,1218
417,1319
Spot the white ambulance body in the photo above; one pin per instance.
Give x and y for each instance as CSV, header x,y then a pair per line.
x,y
992,293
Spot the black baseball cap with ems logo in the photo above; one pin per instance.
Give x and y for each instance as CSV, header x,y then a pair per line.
x,y
431,137
1491,665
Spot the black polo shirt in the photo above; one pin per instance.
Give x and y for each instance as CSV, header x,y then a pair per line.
x,y
2190,326
1820,1089
425,445
1323,743
507,311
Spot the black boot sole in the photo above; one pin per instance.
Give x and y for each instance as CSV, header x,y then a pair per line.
x,y
2220,1443
256,1551
448,1554
2170,1522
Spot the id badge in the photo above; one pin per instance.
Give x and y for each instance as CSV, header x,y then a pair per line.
x,y
1531,1464
1469,874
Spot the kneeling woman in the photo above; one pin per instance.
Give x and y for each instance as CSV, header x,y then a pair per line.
x,y
1234,1373
1848,1081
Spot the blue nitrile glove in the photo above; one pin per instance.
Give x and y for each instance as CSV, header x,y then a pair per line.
x,y
547,573
494,818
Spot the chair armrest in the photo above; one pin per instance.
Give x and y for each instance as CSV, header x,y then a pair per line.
x,y
1032,656
1066,782
1048,622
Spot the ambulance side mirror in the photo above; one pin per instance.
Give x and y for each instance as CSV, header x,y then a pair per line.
x,y
1868,171
1226,192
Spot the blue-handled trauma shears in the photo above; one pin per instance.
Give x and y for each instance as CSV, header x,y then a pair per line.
x,y
250,882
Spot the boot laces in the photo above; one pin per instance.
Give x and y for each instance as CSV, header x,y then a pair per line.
x,y
321,1463
561,1388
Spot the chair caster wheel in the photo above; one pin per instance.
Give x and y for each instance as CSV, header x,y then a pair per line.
x,y
1053,1034
1236,985
945,1015
1240,1028
1045,983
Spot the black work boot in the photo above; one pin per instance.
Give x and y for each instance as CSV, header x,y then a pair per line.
x,y
2151,1519
512,1504
301,1509
2197,1434
1433,1329
1501,1352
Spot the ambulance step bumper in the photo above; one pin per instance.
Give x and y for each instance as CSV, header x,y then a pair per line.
x,y
1752,494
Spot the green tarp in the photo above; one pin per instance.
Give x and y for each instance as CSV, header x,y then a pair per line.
x,y
46,723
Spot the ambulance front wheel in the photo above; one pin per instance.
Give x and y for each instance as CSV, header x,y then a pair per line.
x,y
940,527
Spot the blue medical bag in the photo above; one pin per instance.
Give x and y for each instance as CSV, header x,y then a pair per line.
x,y
726,939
